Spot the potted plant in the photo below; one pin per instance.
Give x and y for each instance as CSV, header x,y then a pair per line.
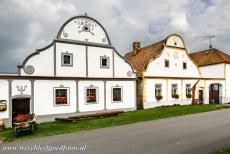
x,y
20,118
159,97
24,122
188,95
61,100
176,96
30,116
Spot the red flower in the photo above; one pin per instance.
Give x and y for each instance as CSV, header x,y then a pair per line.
x,y
61,100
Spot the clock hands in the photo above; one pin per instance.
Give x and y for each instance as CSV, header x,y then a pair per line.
x,y
85,29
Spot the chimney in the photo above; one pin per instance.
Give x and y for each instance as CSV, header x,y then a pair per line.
x,y
136,47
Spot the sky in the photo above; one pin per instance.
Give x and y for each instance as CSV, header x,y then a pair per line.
x,y
27,25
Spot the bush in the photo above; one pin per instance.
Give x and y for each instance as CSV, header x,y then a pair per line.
x,y
189,95
176,96
159,97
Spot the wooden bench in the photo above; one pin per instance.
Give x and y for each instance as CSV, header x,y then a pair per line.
x,y
108,113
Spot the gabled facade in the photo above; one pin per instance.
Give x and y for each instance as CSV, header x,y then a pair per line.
x,y
166,72
80,71
214,86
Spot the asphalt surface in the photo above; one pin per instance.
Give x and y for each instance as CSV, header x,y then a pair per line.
x,y
191,134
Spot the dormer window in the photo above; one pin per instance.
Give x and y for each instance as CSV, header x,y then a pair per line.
x,y
67,59
166,63
104,62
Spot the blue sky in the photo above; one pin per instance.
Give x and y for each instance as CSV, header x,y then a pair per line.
x,y
27,25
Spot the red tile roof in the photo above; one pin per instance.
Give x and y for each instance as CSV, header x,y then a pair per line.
x,y
140,60
209,57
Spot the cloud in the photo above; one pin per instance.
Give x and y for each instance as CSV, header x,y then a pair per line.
x,y
28,25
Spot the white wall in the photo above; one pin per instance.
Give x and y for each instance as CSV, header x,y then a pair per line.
x,y
94,69
129,94
212,71
43,63
4,95
18,84
205,84
79,60
149,100
228,81
44,97
122,68
176,58
83,106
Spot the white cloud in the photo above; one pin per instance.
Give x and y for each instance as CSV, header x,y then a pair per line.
x,y
27,25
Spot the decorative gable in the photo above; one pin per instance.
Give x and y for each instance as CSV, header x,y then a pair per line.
x,y
83,28
175,41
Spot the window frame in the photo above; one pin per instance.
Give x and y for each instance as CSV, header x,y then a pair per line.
x,y
67,95
172,87
186,89
113,87
166,60
108,61
71,59
158,88
97,95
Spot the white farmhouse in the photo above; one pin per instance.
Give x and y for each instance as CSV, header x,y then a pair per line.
x,y
166,73
214,85
80,71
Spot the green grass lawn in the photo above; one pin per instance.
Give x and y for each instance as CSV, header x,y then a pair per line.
x,y
223,151
53,128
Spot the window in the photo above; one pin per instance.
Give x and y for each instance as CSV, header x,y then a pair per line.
x,y
61,96
158,90
166,63
174,90
188,91
116,94
104,62
67,59
184,65
91,95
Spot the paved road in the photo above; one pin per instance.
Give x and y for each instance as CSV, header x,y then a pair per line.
x,y
199,134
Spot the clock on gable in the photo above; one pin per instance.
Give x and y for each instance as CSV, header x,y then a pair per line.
x,y
84,28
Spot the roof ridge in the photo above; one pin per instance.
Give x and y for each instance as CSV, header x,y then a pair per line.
x,y
221,54
153,44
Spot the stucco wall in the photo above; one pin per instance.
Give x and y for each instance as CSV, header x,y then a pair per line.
x,y
212,71
43,63
129,94
83,105
44,97
94,66
79,60
176,58
149,92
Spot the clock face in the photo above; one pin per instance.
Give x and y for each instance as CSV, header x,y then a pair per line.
x,y
85,26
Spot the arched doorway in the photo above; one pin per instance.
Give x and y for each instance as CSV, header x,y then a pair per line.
x,y
20,105
215,93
